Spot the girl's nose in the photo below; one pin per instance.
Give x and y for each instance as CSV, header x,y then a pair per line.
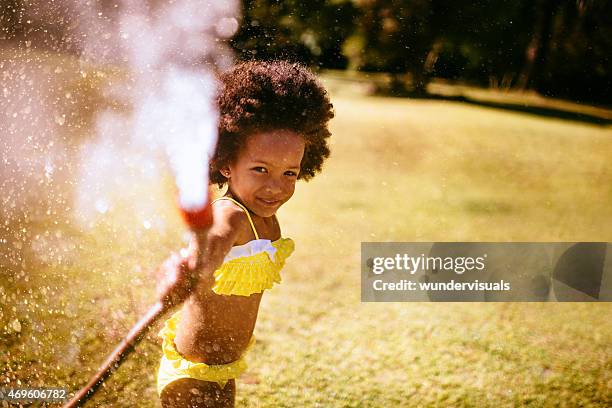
x,y
274,186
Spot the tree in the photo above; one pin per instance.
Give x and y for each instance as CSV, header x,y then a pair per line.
x,y
396,37
310,32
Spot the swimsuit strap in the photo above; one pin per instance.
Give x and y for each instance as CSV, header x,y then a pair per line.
x,y
245,210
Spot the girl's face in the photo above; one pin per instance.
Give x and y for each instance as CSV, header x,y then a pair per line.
x,y
263,175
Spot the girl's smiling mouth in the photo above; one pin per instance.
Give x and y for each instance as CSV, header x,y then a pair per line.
x,y
269,203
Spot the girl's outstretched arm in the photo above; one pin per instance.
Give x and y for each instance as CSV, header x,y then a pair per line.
x,y
177,275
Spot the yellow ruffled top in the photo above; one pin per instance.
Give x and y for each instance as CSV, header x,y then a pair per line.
x,y
254,266
257,270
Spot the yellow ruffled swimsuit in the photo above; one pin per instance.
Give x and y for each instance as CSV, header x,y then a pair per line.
x,y
247,269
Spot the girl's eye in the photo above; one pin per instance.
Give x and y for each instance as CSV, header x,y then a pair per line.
x,y
260,169
291,173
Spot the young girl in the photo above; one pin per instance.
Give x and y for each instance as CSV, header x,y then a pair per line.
x,y
272,132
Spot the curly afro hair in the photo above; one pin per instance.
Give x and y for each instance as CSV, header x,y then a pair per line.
x,y
257,96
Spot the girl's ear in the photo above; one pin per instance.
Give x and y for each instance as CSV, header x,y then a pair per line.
x,y
225,172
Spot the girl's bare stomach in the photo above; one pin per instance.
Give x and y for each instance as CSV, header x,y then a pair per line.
x,y
216,329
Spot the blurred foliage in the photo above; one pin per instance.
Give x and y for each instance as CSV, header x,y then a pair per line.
x,y
311,32
558,47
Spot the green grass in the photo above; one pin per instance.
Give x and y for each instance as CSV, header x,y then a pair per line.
x,y
401,170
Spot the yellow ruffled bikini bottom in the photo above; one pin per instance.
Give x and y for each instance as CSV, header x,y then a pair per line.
x,y
174,366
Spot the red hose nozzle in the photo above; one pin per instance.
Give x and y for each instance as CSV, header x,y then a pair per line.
x,y
198,218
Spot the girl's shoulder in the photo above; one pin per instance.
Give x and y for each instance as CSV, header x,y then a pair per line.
x,y
251,227
229,219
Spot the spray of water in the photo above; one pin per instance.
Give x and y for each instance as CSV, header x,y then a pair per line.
x,y
66,147
185,130
173,51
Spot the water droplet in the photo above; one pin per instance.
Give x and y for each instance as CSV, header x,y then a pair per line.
x,y
49,168
226,27
102,206
16,326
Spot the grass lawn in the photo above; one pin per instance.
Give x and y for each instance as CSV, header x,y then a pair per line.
x,y
401,170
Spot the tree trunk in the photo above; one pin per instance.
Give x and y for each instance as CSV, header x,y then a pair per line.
x,y
422,74
537,50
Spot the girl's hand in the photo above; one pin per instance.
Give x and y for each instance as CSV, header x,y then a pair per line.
x,y
177,276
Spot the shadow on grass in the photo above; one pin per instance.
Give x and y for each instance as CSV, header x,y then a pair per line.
x,y
530,109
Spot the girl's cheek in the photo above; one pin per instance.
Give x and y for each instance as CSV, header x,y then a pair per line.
x,y
290,188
